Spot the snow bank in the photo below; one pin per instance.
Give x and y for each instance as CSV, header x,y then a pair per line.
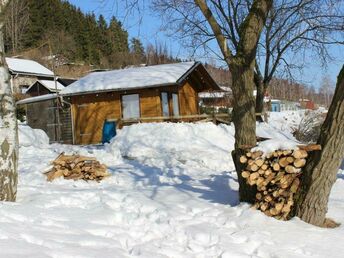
x,y
32,137
170,144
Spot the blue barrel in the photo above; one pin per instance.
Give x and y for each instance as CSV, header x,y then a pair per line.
x,y
109,131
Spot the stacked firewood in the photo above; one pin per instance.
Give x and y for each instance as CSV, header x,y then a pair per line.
x,y
77,167
276,176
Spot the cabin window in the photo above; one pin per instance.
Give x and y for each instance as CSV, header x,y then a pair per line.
x,y
131,106
24,88
175,104
164,103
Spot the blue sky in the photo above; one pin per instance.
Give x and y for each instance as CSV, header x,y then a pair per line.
x,y
147,27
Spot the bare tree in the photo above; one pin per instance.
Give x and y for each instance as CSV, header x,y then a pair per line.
x,y
16,20
326,89
207,21
8,126
322,166
302,27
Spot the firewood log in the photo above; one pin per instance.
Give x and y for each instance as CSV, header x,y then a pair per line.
x,y
290,159
295,185
264,166
299,163
259,162
254,176
276,166
245,174
253,167
243,159
300,154
292,169
283,162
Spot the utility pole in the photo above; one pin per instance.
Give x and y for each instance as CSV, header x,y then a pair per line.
x,y
58,131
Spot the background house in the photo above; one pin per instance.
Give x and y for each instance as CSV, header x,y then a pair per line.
x,y
42,87
215,99
155,93
26,72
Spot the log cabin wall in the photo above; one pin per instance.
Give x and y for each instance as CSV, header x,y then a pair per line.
x,y
188,99
43,115
89,113
91,110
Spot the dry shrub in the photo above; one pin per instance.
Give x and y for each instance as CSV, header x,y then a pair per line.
x,y
308,130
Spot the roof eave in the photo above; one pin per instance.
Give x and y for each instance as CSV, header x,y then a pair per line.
x,y
120,89
32,74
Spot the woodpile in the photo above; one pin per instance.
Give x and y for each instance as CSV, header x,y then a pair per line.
x,y
276,176
77,167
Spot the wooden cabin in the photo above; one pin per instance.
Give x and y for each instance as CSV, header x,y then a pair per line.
x,y
43,87
49,113
159,92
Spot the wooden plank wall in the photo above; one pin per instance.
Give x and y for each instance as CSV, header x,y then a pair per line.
x,y
90,111
150,105
188,100
89,114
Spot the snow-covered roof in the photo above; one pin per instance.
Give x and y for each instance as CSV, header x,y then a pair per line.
x,y
212,94
131,78
37,99
216,94
26,66
49,84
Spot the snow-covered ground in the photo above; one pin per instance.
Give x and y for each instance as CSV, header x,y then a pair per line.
x,y
172,193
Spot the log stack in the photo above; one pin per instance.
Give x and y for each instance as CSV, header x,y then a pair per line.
x,y
276,176
77,167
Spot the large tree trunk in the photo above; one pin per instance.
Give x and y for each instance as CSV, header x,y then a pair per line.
x,y
321,170
8,128
244,119
259,98
242,69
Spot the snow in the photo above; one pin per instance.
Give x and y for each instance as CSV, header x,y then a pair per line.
x,y
272,145
32,137
212,94
131,78
36,99
19,65
165,198
50,85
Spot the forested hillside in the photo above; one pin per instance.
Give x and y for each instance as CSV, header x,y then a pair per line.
x,y
75,37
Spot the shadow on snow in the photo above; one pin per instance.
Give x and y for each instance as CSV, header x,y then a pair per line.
x,y
215,188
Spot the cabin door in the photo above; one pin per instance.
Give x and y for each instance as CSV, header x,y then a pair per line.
x,y
131,106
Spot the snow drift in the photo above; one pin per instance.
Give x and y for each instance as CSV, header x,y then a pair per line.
x,y
32,137
170,144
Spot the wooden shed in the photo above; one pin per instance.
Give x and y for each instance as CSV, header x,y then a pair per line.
x,y
50,114
160,92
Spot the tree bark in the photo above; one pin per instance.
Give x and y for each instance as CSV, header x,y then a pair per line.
x,y
8,128
321,170
259,98
244,118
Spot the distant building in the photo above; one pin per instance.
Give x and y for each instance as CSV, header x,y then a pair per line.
x,y
287,105
275,105
26,72
221,98
307,104
42,87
